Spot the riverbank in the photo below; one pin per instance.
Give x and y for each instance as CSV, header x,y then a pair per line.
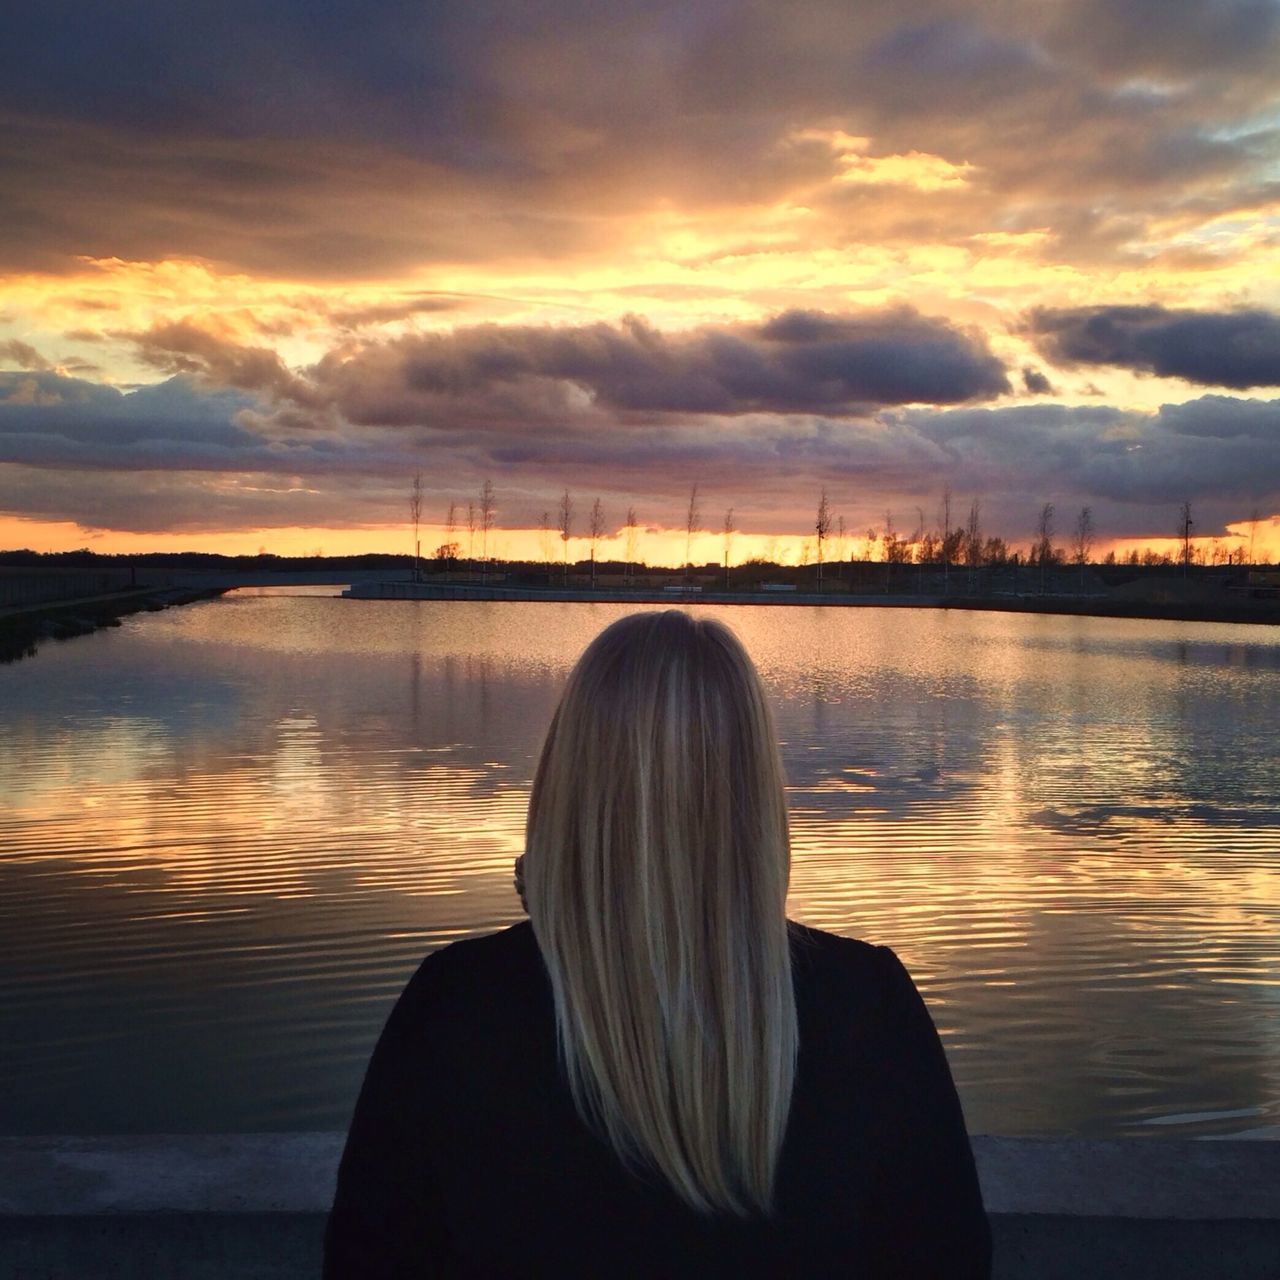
x,y
253,1205
1169,606
24,627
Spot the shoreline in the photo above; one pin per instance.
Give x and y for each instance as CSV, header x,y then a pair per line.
x,y
1232,611
24,628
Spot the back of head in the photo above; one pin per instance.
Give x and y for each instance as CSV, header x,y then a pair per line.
x,y
656,871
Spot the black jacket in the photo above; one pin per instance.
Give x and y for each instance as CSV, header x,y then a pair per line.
x,y
466,1157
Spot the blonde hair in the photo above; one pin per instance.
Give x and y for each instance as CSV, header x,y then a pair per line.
x,y
656,869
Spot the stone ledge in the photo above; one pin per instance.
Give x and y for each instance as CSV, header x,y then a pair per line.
x,y
253,1207
163,1173
294,1173
1176,1179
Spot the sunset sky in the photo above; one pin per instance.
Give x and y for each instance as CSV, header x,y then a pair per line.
x,y
259,263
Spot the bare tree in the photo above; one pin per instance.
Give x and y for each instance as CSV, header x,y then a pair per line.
x,y
415,514
1044,540
890,540
973,540
822,526
566,529
1255,516
633,535
995,551
917,545
544,537
487,507
973,534
1184,532
729,529
952,547
842,543
692,525
451,527
471,537
944,519
1082,540
596,529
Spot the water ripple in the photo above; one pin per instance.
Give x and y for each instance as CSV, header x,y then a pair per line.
x,y
230,832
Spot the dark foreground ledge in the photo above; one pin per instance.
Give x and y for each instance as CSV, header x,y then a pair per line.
x,y
253,1205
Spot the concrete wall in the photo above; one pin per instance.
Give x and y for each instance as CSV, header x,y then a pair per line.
x,y
247,1206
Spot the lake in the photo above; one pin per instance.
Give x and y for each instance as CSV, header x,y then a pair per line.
x,y
229,833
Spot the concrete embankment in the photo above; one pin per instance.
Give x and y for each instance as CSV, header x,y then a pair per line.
x,y
24,627
246,1206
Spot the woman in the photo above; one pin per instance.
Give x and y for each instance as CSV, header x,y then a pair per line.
x,y
658,1075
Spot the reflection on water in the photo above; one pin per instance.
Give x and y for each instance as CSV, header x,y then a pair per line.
x,y
229,832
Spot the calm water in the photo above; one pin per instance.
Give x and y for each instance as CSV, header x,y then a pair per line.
x,y
229,832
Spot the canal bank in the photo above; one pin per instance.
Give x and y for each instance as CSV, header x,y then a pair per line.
x,y
251,1206
24,627
1098,605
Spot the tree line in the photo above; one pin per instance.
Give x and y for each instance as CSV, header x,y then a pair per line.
x,y
950,541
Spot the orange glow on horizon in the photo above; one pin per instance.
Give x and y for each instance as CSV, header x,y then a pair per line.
x,y
657,546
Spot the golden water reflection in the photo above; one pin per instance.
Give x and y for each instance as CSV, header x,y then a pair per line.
x,y
229,832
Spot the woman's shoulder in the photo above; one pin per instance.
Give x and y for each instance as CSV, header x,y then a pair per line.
x,y
481,964
846,968
817,946
496,969
488,948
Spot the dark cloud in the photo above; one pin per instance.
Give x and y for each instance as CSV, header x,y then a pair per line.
x,y
183,347
49,419
1238,349
163,502
496,376
482,130
1224,417
401,309
264,205
417,143
23,354
1167,38
509,381
79,367
1221,452
1035,382
177,456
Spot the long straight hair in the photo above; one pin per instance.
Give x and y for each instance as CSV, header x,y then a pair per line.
x,y
656,869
